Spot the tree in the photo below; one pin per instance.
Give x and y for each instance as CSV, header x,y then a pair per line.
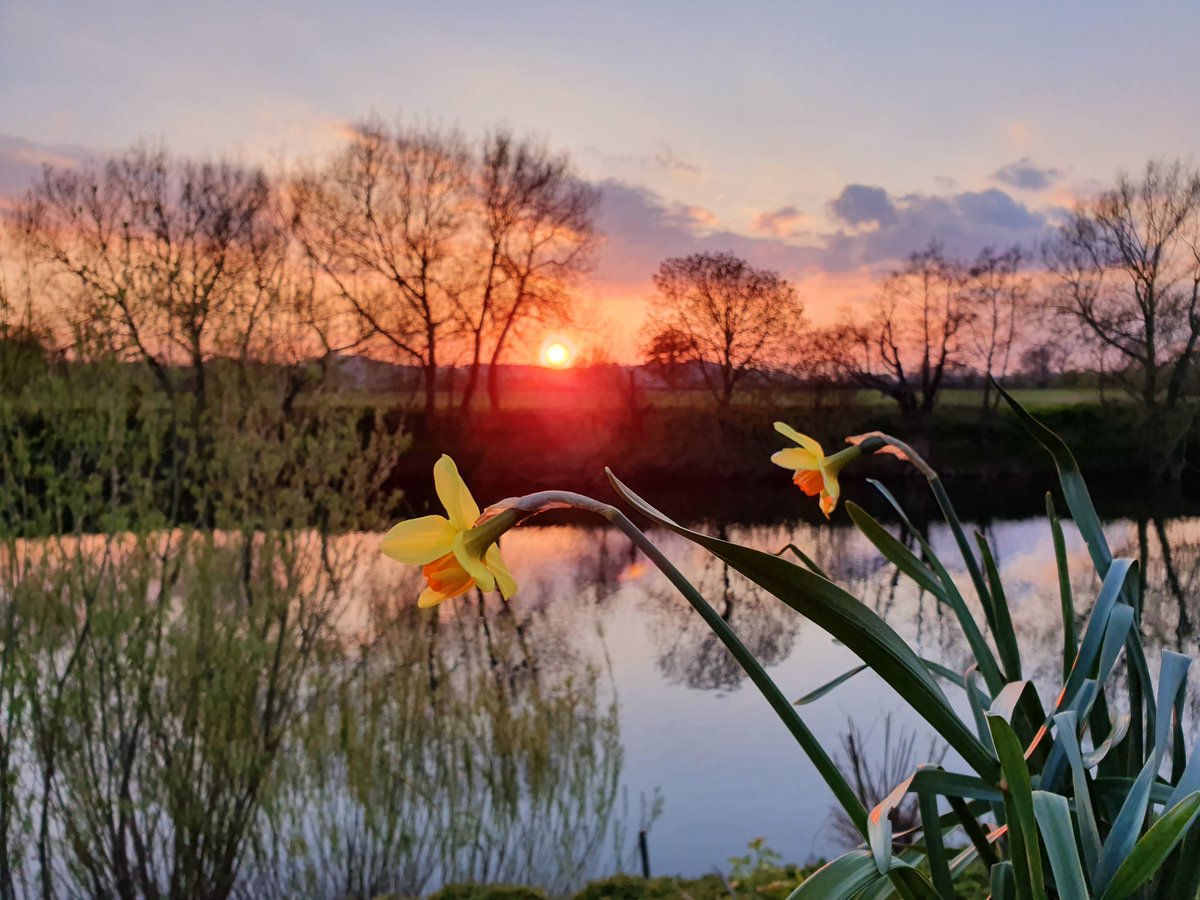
x,y
998,296
383,224
538,228
1042,361
1128,270
166,260
736,318
912,337
823,361
667,352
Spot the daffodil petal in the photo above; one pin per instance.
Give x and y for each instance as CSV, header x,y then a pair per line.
x,y
504,580
831,493
431,597
802,439
416,542
795,458
474,565
452,491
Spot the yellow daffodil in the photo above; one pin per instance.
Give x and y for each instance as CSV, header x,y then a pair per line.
x,y
815,473
456,551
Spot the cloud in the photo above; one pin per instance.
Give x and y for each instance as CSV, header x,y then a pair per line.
x,y
783,222
965,222
861,204
676,165
21,162
994,207
696,217
1024,175
873,230
663,161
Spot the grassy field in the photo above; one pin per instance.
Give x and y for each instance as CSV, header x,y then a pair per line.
x,y
602,396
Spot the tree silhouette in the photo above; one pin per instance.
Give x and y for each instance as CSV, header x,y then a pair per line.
x,y
1128,268
538,233
723,315
382,222
999,298
912,338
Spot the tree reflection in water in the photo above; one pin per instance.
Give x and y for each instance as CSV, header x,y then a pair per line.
x,y
448,751
477,741
688,651
294,746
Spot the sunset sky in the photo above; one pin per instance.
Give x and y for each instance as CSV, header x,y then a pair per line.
x,y
824,141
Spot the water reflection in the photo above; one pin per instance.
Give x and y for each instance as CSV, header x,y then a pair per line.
x,y
447,752
270,715
490,741
688,651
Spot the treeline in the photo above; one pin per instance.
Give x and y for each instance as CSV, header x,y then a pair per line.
x,y
409,242
414,244
1114,289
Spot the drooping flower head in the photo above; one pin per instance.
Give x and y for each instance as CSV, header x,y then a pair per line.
x,y
457,551
815,473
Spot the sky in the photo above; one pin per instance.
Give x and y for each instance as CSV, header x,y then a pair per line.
x,y
823,140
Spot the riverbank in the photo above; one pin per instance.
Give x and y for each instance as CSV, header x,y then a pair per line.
x,y
702,456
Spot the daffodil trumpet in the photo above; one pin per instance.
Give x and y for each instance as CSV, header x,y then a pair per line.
x,y
814,472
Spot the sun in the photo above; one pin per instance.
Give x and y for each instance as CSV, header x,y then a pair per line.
x,y
557,355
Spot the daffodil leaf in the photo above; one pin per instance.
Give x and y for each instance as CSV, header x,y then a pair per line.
x,y
847,619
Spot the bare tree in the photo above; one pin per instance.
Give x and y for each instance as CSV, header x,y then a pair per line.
x,y
736,318
913,336
383,223
823,362
165,259
998,294
1128,268
667,353
538,231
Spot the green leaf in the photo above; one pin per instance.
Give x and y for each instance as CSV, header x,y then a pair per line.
x,y
1120,727
927,782
980,842
1079,501
1054,822
903,558
1093,633
802,556
879,825
1022,825
1126,827
787,713
1066,724
1128,824
1172,675
1152,850
1183,879
1065,595
978,701
847,619
1189,781
828,686
1119,623
1088,523
954,599
1003,882
852,872
935,850
1005,634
